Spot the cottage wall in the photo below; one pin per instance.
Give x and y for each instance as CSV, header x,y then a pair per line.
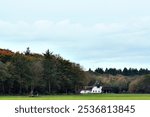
x,y
95,89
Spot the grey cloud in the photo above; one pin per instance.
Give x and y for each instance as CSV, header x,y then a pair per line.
x,y
125,42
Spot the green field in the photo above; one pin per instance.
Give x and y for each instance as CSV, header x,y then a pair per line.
x,y
82,97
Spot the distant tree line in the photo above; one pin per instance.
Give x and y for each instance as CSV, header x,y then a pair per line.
x,y
125,71
31,73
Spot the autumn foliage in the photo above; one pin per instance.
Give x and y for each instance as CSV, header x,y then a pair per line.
x,y
6,52
5,55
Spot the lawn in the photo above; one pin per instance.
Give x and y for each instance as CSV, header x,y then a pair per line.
x,y
82,97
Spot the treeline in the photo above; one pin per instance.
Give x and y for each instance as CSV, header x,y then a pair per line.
x,y
31,73
125,71
121,83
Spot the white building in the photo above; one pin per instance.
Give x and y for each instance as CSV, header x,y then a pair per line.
x,y
95,89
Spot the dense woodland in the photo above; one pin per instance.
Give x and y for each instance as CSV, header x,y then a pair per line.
x,y
115,80
30,73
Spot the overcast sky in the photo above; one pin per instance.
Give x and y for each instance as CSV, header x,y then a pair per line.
x,y
93,33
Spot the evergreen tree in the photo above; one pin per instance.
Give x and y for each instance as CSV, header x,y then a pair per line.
x,y
125,71
27,52
49,69
99,70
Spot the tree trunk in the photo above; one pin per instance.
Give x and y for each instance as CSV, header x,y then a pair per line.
x,y
32,91
49,86
20,88
3,87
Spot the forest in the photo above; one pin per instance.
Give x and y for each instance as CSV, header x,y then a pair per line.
x,y
30,73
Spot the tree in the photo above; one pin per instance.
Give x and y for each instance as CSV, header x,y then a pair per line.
x,y
35,81
125,71
112,71
5,55
133,86
140,85
27,52
4,75
122,84
49,69
99,70
21,71
90,70
106,71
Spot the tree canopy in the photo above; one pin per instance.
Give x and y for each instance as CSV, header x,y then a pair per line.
x,y
47,73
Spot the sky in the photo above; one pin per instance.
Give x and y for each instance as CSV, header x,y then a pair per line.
x,y
93,33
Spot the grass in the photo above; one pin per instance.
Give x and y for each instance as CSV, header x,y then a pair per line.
x,y
82,97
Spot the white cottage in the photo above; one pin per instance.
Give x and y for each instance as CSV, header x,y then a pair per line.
x,y
95,89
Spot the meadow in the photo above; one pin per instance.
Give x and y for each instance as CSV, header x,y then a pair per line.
x,y
81,97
